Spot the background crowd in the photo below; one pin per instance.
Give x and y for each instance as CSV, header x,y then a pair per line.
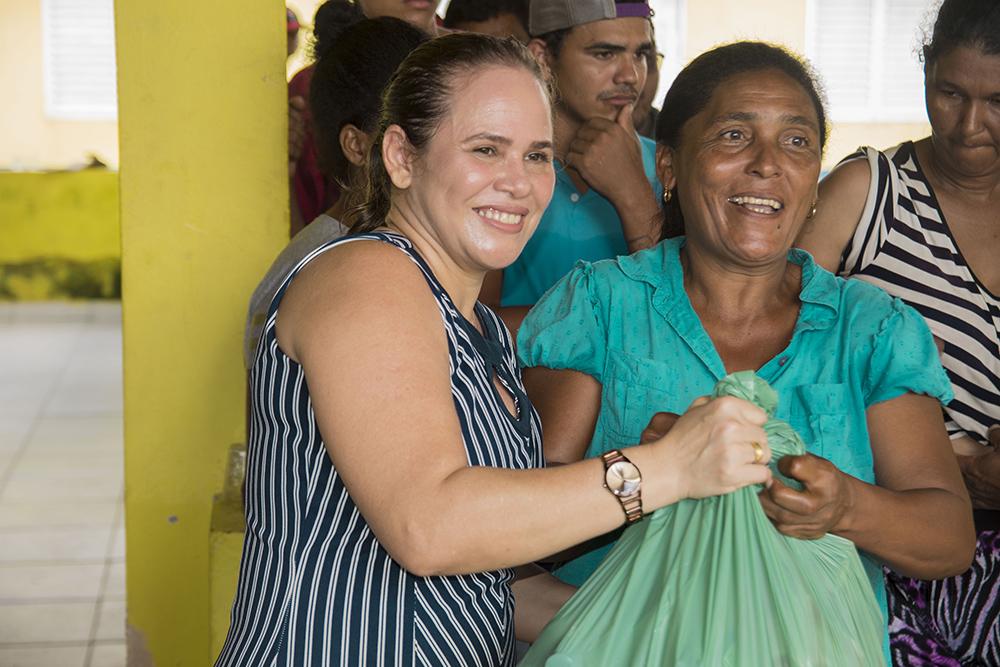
x,y
467,207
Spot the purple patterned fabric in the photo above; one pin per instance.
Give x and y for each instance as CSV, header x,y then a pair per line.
x,y
949,622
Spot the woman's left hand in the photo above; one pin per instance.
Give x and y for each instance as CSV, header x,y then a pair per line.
x,y
819,508
982,473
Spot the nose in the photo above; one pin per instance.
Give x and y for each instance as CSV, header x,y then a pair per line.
x,y
765,160
514,179
972,118
627,71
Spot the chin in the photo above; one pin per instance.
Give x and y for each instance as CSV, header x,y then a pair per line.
x,y
763,253
499,257
498,261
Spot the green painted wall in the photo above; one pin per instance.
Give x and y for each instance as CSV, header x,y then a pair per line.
x,y
60,236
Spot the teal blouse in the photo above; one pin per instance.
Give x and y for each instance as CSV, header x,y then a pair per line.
x,y
629,323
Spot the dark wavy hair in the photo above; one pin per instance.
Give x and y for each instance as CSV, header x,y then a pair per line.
x,y
693,88
971,23
419,97
330,20
348,81
477,11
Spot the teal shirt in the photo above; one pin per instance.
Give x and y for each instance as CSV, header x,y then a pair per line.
x,y
575,226
629,324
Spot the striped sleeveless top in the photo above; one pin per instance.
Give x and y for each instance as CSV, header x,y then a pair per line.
x,y
903,245
315,586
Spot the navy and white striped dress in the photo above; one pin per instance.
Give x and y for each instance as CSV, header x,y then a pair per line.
x,y
316,587
904,246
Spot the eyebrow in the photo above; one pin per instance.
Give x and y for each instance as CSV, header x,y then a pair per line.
x,y
505,141
616,48
946,83
791,119
736,115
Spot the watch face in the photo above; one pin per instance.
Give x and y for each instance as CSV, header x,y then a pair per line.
x,y
623,478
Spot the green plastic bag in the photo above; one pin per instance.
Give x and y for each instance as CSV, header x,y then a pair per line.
x,y
711,582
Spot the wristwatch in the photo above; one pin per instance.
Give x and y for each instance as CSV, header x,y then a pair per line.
x,y
623,479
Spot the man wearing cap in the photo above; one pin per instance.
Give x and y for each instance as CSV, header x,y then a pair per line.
x,y
605,201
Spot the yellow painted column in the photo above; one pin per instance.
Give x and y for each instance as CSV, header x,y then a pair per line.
x,y
204,209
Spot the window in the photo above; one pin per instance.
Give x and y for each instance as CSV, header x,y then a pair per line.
x,y
668,21
866,54
78,43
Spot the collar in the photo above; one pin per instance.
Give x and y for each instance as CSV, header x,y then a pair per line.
x,y
660,267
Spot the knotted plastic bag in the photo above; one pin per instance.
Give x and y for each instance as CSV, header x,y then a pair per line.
x,y
711,582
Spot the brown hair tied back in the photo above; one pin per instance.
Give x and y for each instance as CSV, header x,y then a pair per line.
x,y
418,98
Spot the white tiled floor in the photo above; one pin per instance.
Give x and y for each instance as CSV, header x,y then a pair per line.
x,y
62,552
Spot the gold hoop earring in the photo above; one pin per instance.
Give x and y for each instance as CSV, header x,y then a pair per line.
x,y
667,196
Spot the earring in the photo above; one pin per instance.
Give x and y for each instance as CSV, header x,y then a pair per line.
x,y
667,196
812,212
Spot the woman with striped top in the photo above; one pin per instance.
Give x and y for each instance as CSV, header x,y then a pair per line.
x,y
921,221
394,472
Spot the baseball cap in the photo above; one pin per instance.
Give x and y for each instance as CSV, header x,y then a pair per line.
x,y
549,15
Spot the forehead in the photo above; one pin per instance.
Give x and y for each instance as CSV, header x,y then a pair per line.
x,y
503,100
630,32
969,67
768,92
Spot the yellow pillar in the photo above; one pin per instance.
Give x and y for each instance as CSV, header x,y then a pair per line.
x,y
204,209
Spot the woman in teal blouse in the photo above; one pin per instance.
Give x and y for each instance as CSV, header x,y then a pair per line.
x,y
740,141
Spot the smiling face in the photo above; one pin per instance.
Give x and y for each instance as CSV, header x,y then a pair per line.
x,y
962,89
415,12
485,178
746,169
601,67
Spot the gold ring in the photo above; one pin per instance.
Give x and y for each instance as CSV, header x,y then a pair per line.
x,y
758,452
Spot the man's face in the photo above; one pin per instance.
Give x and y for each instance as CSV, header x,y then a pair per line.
x,y
601,67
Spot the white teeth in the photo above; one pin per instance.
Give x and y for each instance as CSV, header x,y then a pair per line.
x,y
757,204
499,216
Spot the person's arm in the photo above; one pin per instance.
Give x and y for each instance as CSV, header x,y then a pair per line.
x,y
839,205
369,336
982,472
608,155
917,519
568,403
538,596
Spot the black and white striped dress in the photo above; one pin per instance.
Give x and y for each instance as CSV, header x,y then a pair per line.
x,y
316,587
904,246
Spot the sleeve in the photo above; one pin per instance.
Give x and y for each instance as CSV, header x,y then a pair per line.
x,y
877,216
566,328
904,359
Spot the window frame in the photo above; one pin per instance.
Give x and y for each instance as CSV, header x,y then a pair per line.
x,y
875,109
55,106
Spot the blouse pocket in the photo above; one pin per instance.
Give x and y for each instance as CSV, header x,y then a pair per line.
x,y
634,390
821,416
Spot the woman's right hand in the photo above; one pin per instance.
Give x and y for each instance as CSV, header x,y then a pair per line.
x,y
707,451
